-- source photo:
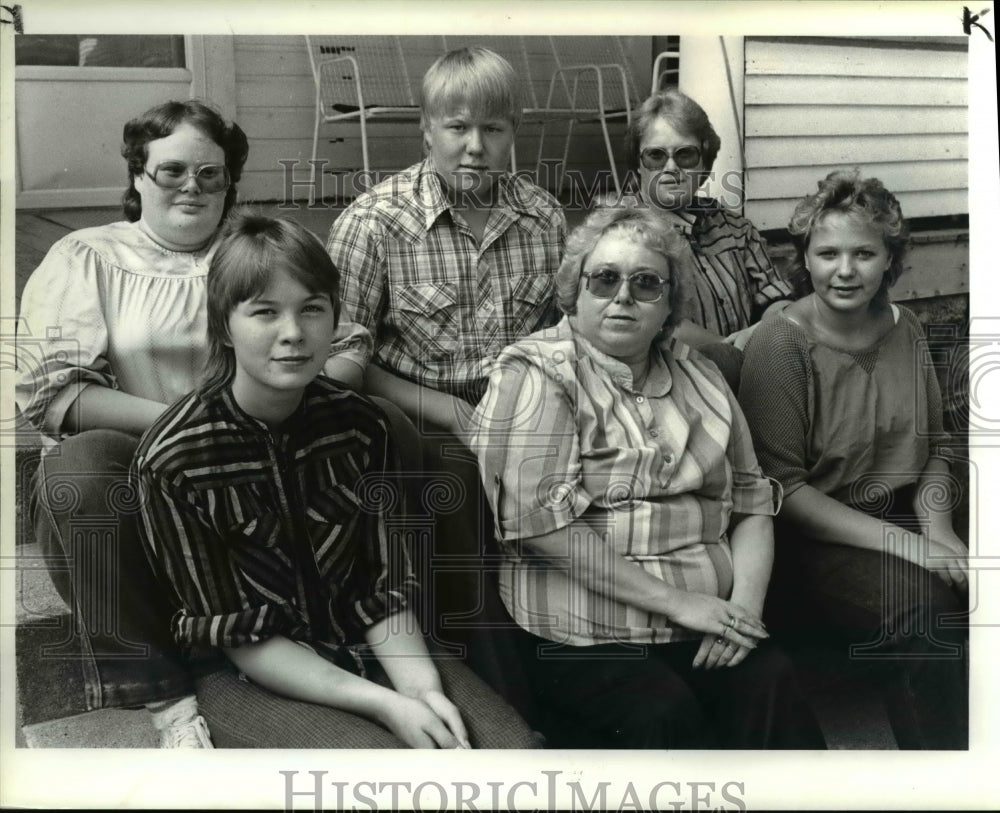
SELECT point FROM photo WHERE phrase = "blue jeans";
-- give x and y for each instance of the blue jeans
(85, 517)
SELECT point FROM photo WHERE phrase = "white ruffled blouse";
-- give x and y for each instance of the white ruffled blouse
(110, 307)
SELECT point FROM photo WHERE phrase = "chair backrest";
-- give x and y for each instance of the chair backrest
(512, 49)
(597, 50)
(386, 74)
(666, 70)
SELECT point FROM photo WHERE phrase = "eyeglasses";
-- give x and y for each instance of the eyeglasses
(643, 286)
(174, 174)
(684, 157)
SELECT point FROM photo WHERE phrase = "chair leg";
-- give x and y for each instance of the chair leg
(565, 159)
(538, 162)
(364, 146)
(611, 154)
(312, 163)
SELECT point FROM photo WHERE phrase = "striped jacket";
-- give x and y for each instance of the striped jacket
(734, 280)
(258, 533)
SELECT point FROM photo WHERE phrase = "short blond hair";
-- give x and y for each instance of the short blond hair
(472, 77)
(642, 225)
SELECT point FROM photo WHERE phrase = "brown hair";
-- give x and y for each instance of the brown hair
(252, 249)
(161, 121)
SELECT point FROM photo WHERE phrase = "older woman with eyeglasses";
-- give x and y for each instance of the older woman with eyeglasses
(672, 145)
(634, 521)
(113, 330)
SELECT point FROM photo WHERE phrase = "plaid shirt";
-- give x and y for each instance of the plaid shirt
(567, 443)
(439, 304)
(734, 280)
(263, 533)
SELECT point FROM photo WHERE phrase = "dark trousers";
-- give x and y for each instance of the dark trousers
(85, 516)
(635, 696)
(891, 619)
(449, 527)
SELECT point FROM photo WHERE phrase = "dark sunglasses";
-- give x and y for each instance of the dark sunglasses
(174, 174)
(643, 286)
(684, 157)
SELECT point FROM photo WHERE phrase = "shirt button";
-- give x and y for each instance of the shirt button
(653, 433)
(640, 399)
(668, 459)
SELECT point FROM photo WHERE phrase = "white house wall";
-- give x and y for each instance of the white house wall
(897, 110)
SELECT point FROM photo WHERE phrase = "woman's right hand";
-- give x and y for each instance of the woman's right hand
(716, 652)
(715, 616)
(416, 724)
(949, 560)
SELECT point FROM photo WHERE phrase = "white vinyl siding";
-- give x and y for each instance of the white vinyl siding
(897, 110)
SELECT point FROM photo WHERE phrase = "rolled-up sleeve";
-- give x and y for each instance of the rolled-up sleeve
(192, 561)
(753, 492)
(62, 336)
(352, 342)
(526, 440)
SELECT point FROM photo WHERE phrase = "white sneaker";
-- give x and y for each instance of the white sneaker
(192, 734)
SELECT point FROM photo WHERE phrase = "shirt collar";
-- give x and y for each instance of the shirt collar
(685, 222)
(430, 193)
(658, 381)
(227, 401)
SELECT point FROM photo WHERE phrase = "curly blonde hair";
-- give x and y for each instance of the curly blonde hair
(639, 223)
(846, 192)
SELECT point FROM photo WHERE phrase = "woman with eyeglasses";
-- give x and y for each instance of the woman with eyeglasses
(634, 520)
(112, 330)
(672, 145)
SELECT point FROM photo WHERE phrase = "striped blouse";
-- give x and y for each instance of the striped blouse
(262, 533)
(563, 435)
(734, 279)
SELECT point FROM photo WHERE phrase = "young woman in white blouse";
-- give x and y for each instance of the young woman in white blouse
(113, 330)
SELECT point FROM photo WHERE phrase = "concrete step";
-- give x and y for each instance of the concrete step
(51, 711)
(50, 700)
(107, 728)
